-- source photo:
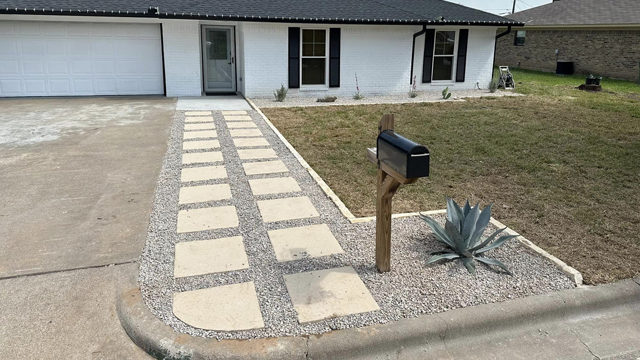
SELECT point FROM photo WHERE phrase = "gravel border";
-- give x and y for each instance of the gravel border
(301, 100)
(409, 290)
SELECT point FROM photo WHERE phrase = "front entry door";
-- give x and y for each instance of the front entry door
(218, 52)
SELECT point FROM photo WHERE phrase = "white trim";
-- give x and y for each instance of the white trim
(316, 87)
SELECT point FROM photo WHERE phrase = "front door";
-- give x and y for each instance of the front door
(218, 52)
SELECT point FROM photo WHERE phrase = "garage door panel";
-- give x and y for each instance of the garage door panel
(56, 58)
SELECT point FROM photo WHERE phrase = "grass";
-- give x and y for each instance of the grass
(561, 165)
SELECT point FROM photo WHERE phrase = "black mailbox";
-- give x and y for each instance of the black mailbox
(409, 159)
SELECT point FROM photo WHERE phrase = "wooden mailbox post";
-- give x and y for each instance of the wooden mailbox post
(388, 182)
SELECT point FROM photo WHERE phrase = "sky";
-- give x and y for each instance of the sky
(500, 7)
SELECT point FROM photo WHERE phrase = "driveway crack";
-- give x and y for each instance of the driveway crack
(596, 357)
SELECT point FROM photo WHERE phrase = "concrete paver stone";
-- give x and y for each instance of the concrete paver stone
(277, 185)
(198, 119)
(250, 142)
(242, 125)
(209, 256)
(202, 157)
(201, 134)
(264, 167)
(199, 126)
(204, 193)
(226, 308)
(201, 145)
(323, 294)
(209, 218)
(245, 132)
(252, 154)
(202, 173)
(287, 209)
(237, 118)
(234, 112)
(302, 242)
(197, 113)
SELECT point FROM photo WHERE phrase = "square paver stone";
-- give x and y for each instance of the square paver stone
(237, 118)
(202, 157)
(264, 167)
(210, 218)
(196, 126)
(202, 134)
(277, 185)
(234, 112)
(323, 294)
(250, 142)
(245, 132)
(198, 119)
(202, 173)
(287, 209)
(200, 144)
(197, 113)
(251, 154)
(209, 256)
(204, 193)
(225, 308)
(303, 242)
(242, 125)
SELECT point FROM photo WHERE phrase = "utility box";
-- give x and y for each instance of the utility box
(407, 158)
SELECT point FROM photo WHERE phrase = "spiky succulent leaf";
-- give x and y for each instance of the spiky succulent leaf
(495, 262)
(441, 234)
(487, 240)
(454, 213)
(469, 225)
(468, 263)
(446, 256)
(481, 225)
(466, 209)
(454, 235)
(496, 243)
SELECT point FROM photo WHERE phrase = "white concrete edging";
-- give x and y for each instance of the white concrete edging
(572, 273)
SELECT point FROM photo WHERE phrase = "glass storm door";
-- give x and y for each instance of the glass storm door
(218, 54)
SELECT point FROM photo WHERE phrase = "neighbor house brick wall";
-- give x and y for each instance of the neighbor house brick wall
(380, 55)
(183, 70)
(612, 53)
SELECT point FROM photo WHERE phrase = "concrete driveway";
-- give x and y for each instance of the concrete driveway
(77, 181)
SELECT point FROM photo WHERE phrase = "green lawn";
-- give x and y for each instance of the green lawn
(561, 165)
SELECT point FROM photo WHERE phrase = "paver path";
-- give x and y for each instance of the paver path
(315, 295)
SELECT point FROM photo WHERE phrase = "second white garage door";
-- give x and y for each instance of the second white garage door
(66, 58)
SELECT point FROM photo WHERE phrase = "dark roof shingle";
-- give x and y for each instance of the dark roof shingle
(582, 12)
(324, 11)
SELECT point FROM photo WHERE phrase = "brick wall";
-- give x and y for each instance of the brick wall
(182, 67)
(612, 53)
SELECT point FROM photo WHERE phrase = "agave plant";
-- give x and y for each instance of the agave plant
(462, 234)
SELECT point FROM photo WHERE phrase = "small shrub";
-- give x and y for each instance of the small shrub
(412, 92)
(446, 94)
(280, 94)
(357, 95)
(493, 86)
(462, 234)
(327, 99)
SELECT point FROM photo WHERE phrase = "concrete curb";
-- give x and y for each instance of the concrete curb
(376, 341)
(572, 273)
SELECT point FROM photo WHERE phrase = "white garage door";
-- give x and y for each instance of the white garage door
(66, 58)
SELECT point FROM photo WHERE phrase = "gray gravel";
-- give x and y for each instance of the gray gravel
(423, 96)
(412, 288)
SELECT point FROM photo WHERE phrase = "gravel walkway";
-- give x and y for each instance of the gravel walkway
(424, 96)
(410, 289)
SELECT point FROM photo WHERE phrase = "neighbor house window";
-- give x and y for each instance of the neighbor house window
(443, 55)
(520, 36)
(314, 57)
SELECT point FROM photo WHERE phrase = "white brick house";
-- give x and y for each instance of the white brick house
(99, 49)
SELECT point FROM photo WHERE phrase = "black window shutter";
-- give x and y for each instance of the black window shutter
(461, 65)
(294, 57)
(429, 42)
(334, 57)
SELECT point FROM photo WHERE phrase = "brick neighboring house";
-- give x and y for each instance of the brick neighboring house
(600, 36)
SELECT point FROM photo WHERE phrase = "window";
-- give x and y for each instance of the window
(520, 36)
(443, 56)
(314, 57)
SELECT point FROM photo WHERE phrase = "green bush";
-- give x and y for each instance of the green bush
(280, 94)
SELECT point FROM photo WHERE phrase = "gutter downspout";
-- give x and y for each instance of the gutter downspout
(413, 50)
(495, 47)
